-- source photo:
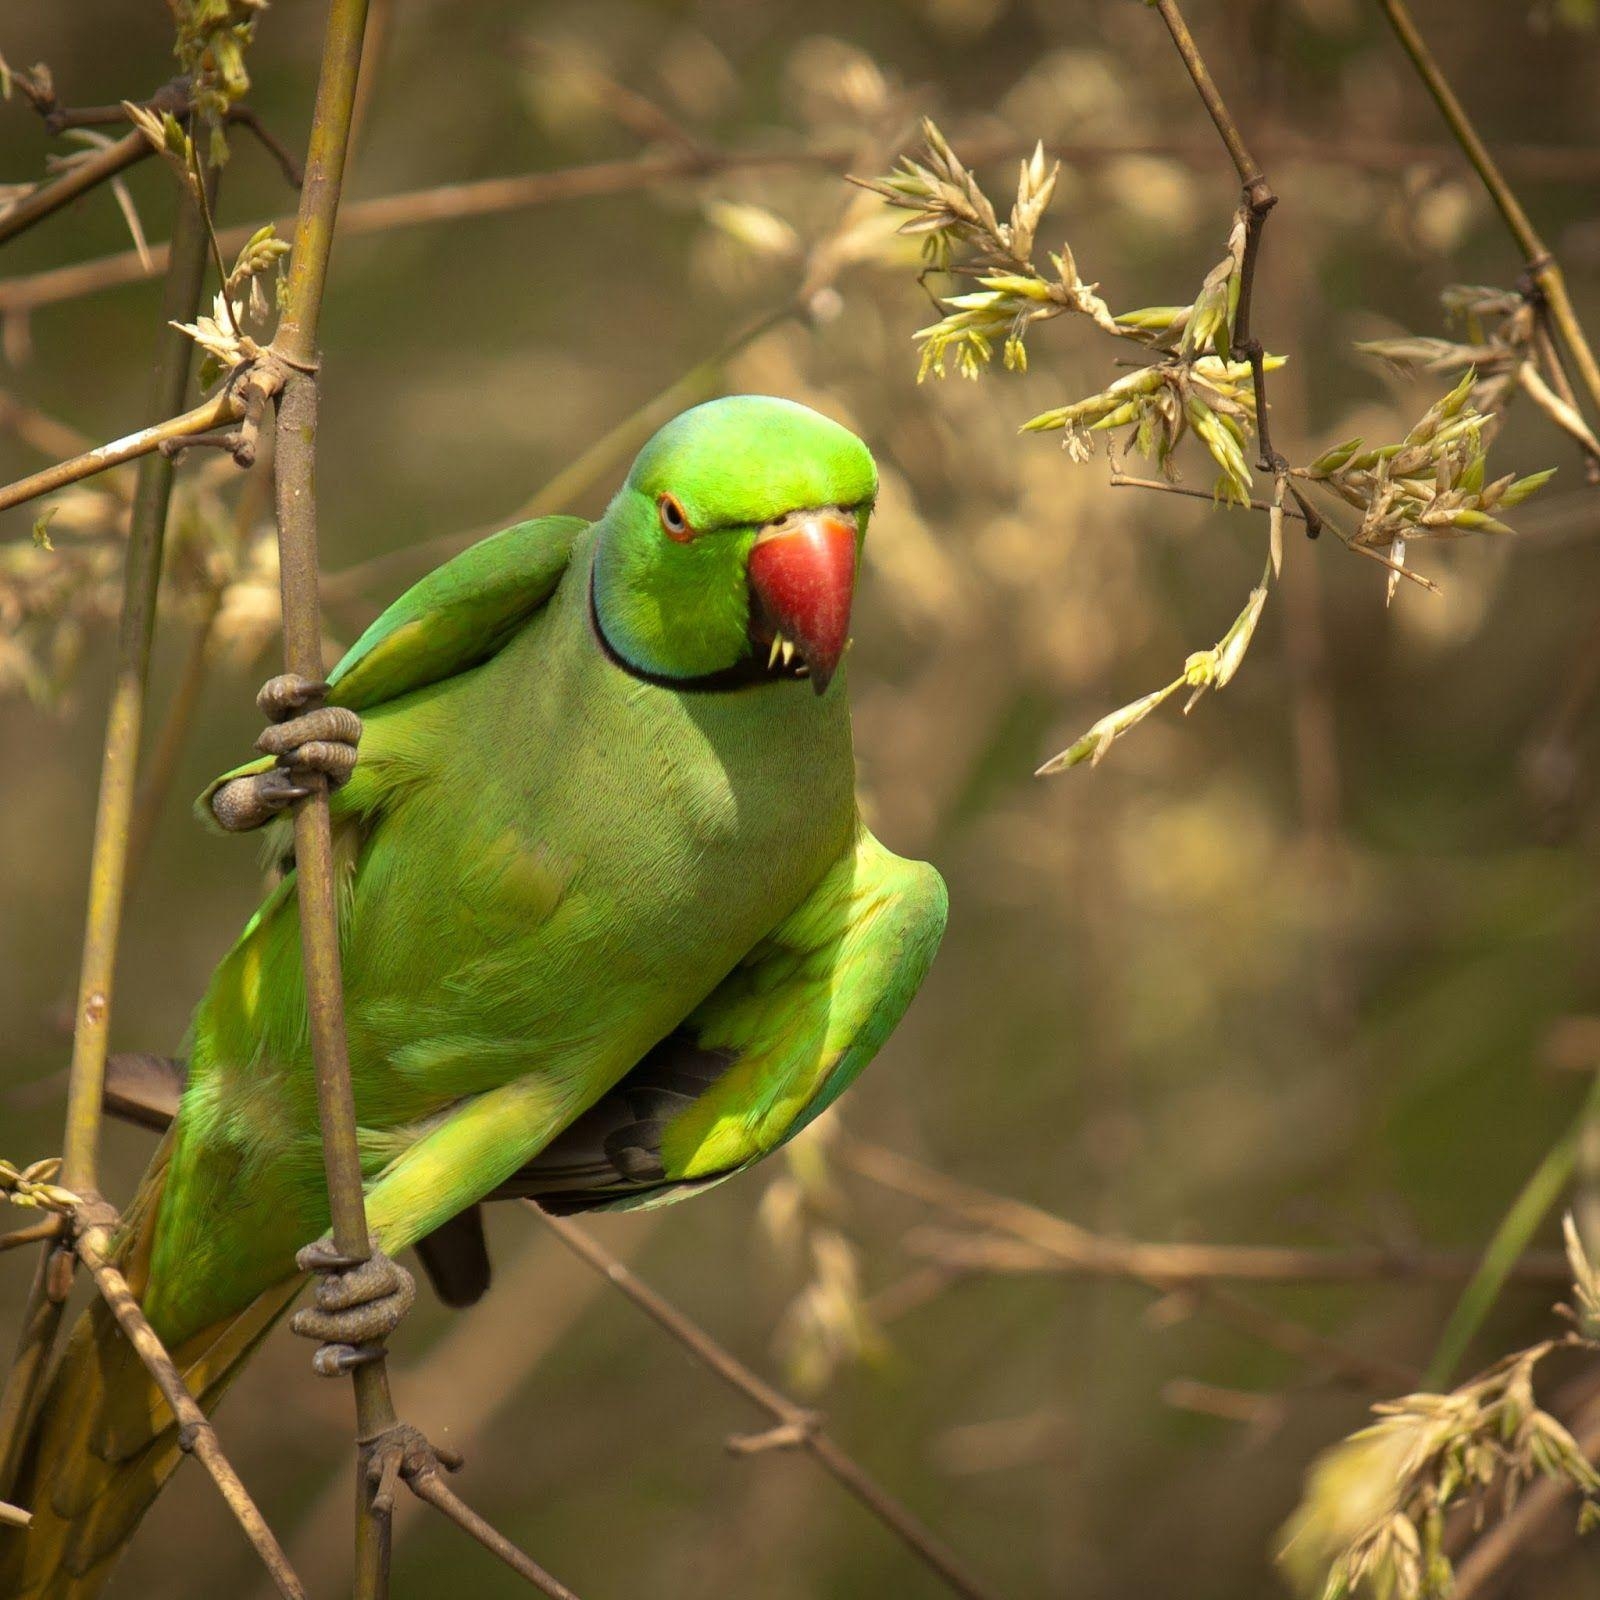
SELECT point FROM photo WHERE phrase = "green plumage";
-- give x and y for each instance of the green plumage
(549, 864)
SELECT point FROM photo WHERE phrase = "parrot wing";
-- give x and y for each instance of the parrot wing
(772, 1046)
(455, 618)
(768, 1050)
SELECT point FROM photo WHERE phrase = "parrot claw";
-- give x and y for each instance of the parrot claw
(247, 803)
(320, 740)
(336, 1360)
(282, 697)
(358, 1305)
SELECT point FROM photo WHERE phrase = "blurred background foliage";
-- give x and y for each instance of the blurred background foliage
(1317, 964)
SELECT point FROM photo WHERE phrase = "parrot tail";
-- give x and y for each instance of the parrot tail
(104, 1440)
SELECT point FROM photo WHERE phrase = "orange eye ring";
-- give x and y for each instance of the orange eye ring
(674, 519)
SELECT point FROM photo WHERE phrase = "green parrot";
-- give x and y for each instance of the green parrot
(613, 929)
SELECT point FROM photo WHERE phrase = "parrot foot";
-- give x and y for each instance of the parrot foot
(320, 740)
(358, 1305)
(402, 1452)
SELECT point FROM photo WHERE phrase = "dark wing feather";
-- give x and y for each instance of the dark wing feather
(614, 1148)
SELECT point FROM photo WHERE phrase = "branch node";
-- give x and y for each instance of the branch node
(1259, 196)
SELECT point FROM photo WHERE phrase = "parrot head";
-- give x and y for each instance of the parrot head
(735, 542)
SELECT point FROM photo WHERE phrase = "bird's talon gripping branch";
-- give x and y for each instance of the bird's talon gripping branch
(320, 740)
(358, 1305)
(287, 695)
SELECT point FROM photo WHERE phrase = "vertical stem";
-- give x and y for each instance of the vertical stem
(165, 753)
(296, 347)
(313, 838)
(125, 718)
(1542, 269)
(1258, 199)
(1243, 162)
(296, 339)
(108, 858)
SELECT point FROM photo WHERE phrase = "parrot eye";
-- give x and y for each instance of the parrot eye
(674, 521)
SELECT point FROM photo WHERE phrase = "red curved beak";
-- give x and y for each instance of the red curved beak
(802, 579)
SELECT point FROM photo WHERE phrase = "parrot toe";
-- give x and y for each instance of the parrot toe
(358, 1305)
(246, 803)
(323, 740)
(288, 693)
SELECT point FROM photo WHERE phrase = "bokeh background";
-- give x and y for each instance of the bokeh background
(1316, 964)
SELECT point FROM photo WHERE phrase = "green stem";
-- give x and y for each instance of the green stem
(1537, 1199)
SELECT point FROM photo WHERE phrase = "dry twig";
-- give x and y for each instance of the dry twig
(794, 1427)
(195, 1433)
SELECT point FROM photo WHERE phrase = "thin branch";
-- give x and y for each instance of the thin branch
(428, 1485)
(1243, 162)
(1053, 1244)
(228, 406)
(1121, 480)
(248, 118)
(1258, 200)
(37, 1233)
(478, 1368)
(50, 436)
(1302, 511)
(195, 1433)
(795, 1426)
(637, 113)
(105, 166)
(1541, 266)
(58, 121)
(78, 179)
(495, 196)
(1555, 371)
